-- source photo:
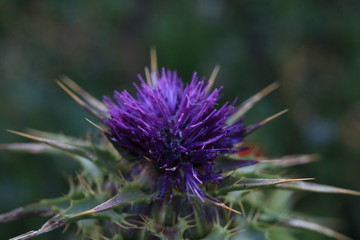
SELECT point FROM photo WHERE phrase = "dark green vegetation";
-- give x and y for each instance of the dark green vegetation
(312, 48)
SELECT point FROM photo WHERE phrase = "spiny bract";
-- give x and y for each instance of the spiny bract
(170, 164)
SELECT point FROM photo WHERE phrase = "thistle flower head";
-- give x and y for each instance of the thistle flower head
(179, 128)
(174, 133)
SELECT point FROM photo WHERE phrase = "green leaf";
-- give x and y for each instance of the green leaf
(89, 168)
(117, 237)
(218, 232)
(174, 232)
(278, 232)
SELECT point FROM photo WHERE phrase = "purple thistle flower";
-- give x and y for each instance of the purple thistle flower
(177, 127)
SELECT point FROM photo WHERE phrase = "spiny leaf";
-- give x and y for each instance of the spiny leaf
(88, 207)
(289, 161)
(286, 161)
(35, 148)
(128, 194)
(177, 231)
(103, 153)
(82, 155)
(218, 232)
(52, 224)
(113, 216)
(115, 237)
(89, 168)
(59, 137)
(27, 211)
(28, 147)
(314, 187)
(56, 144)
(43, 208)
(279, 232)
(250, 183)
(198, 212)
(84, 204)
(166, 232)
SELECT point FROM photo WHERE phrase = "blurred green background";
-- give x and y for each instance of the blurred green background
(311, 47)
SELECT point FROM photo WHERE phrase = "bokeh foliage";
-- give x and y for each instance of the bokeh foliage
(311, 47)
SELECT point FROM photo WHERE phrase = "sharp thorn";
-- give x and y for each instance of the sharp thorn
(212, 78)
(250, 102)
(153, 60)
(70, 93)
(274, 116)
(227, 208)
(147, 76)
(23, 135)
(76, 88)
(95, 125)
(255, 126)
